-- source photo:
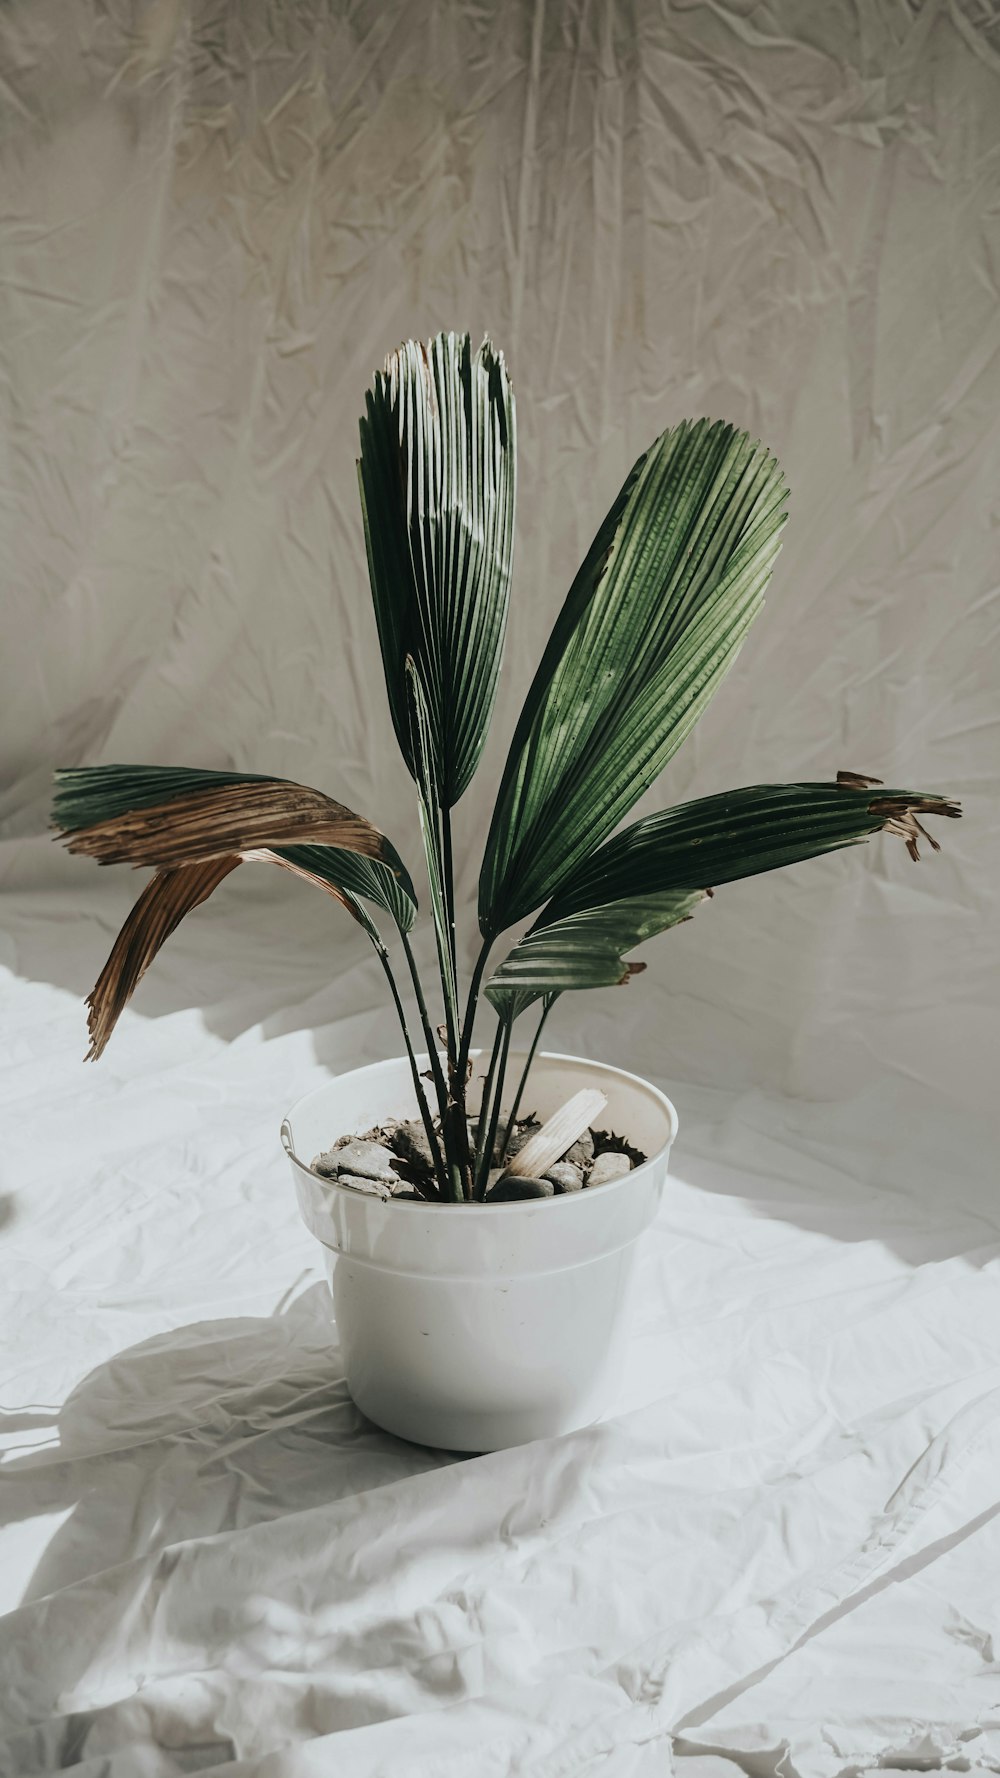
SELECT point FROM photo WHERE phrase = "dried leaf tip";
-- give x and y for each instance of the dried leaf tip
(161, 907)
(897, 810)
(857, 780)
(898, 815)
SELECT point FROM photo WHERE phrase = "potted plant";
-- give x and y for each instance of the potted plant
(483, 1218)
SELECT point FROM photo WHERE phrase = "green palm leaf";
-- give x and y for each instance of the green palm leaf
(652, 622)
(437, 477)
(653, 874)
(389, 888)
(741, 833)
(585, 950)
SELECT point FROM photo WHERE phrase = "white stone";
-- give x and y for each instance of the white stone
(368, 1159)
(609, 1166)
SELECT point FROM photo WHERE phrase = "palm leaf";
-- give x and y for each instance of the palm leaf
(161, 907)
(164, 815)
(653, 874)
(437, 478)
(741, 833)
(352, 874)
(585, 950)
(173, 892)
(652, 623)
(195, 827)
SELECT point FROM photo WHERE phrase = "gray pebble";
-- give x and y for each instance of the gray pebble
(510, 1190)
(518, 1138)
(411, 1144)
(609, 1166)
(565, 1177)
(378, 1187)
(582, 1151)
(367, 1159)
(473, 1132)
(327, 1163)
(501, 1126)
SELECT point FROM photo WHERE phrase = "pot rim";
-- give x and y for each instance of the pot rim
(520, 1205)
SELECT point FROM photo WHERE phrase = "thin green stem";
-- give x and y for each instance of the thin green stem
(448, 873)
(456, 1129)
(430, 1036)
(439, 860)
(432, 834)
(487, 1091)
(425, 1110)
(547, 1006)
(451, 1173)
(454, 1133)
(472, 1006)
(483, 1172)
(469, 1163)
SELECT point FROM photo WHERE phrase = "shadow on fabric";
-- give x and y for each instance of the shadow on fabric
(212, 1427)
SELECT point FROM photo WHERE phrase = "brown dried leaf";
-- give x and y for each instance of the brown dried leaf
(899, 812)
(899, 816)
(161, 907)
(158, 912)
(224, 819)
(857, 780)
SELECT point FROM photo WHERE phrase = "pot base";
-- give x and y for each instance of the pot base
(555, 1340)
(453, 1432)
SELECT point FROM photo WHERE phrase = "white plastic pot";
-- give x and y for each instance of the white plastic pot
(475, 1326)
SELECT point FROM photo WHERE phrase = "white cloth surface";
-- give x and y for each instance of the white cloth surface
(780, 1553)
(781, 1548)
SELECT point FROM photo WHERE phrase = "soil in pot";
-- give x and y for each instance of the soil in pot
(394, 1160)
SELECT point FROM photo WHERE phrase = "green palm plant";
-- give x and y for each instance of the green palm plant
(651, 625)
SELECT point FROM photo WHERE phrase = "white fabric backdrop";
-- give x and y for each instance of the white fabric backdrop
(216, 220)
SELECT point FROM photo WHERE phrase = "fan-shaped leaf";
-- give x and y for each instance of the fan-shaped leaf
(161, 907)
(173, 892)
(195, 827)
(740, 833)
(652, 622)
(389, 887)
(585, 950)
(165, 815)
(437, 476)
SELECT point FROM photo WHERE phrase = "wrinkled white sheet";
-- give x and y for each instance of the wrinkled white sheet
(781, 1549)
(782, 1546)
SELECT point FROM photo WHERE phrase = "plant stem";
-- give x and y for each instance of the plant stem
(487, 1090)
(425, 1110)
(483, 1171)
(460, 1078)
(430, 1036)
(547, 1006)
(432, 832)
(450, 1174)
(472, 1006)
(448, 872)
(456, 1129)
